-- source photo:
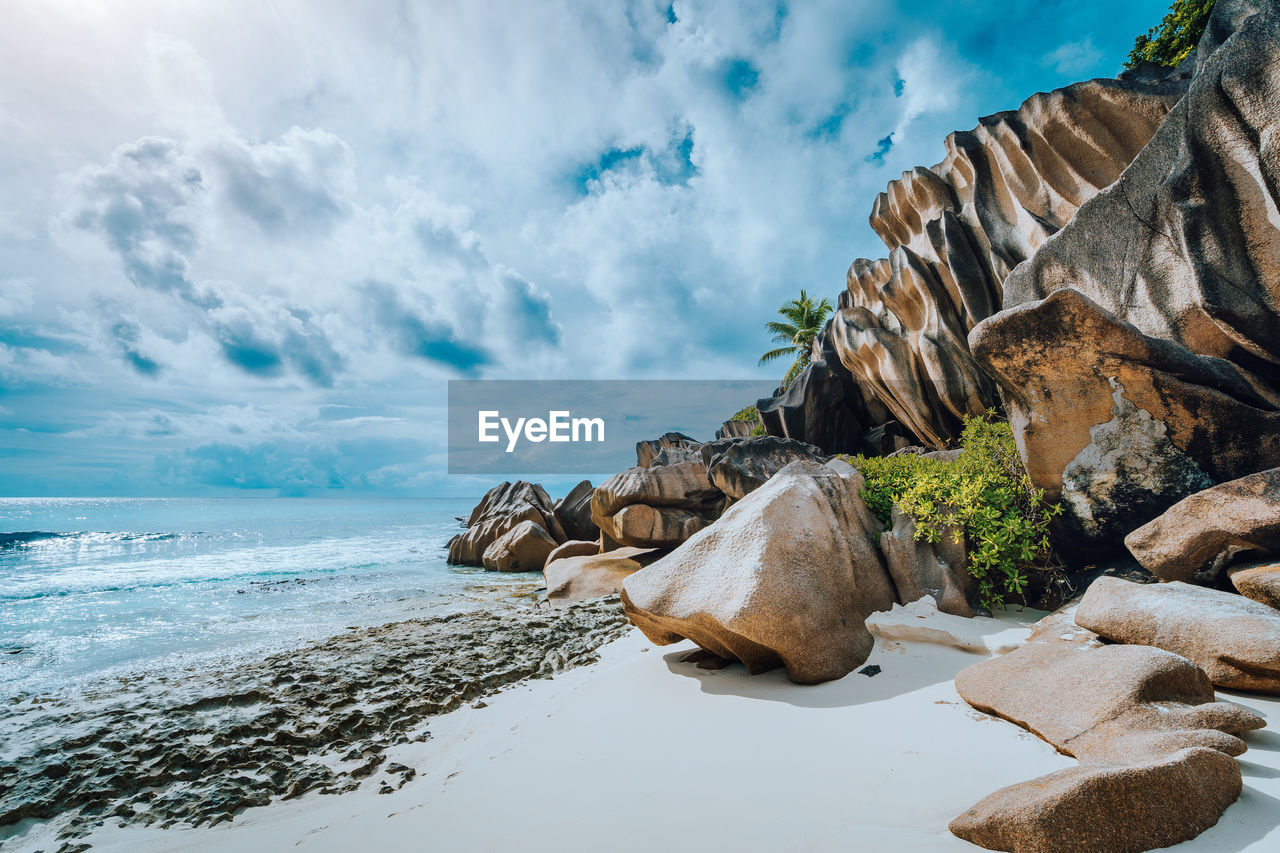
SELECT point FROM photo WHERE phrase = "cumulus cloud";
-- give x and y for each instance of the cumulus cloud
(303, 181)
(414, 333)
(159, 203)
(140, 203)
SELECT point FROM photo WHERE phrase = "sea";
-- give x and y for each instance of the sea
(101, 588)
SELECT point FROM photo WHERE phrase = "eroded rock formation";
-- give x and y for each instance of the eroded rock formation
(955, 231)
(681, 486)
(738, 467)
(573, 511)
(1116, 424)
(502, 508)
(656, 507)
(523, 548)
(574, 548)
(825, 405)
(939, 570)
(1259, 581)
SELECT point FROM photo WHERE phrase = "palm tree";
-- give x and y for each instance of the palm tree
(804, 320)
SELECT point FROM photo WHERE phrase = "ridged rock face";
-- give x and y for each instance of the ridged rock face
(955, 231)
(1177, 267)
(1186, 245)
(825, 406)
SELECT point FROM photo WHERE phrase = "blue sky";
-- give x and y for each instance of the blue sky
(244, 244)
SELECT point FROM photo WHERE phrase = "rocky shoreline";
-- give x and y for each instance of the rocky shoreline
(196, 747)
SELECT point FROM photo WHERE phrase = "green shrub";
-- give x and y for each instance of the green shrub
(1177, 35)
(748, 414)
(985, 495)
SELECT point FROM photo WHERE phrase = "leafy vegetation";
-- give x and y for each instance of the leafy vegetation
(984, 496)
(803, 319)
(1177, 35)
(750, 415)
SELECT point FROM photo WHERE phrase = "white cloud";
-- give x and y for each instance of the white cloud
(1074, 57)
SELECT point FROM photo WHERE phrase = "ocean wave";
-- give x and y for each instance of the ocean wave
(26, 538)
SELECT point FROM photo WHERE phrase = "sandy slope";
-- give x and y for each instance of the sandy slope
(641, 751)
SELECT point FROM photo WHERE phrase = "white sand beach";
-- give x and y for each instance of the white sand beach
(641, 751)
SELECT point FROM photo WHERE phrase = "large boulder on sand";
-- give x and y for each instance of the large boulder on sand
(784, 578)
(523, 548)
(1235, 640)
(594, 575)
(1155, 749)
(502, 508)
(656, 507)
(573, 512)
(739, 466)
(936, 569)
(1198, 531)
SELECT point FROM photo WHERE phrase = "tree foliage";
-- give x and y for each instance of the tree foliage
(1175, 37)
(985, 496)
(802, 320)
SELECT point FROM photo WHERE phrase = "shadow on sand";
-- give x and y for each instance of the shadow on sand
(900, 673)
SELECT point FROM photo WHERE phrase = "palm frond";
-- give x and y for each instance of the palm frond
(775, 354)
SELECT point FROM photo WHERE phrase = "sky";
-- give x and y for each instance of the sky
(244, 245)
